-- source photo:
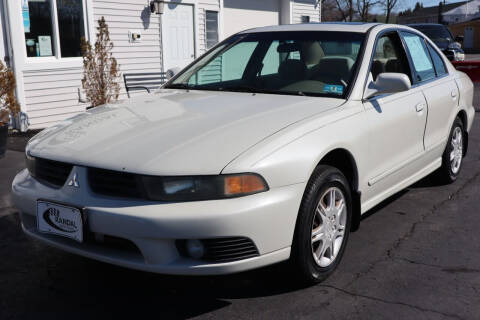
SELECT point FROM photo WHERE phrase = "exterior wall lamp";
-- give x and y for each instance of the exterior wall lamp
(156, 6)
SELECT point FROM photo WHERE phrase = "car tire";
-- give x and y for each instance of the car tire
(313, 246)
(453, 154)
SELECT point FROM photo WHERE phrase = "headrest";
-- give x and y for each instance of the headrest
(377, 68)
(312, 52)
(338, 66)
(292, 69)
(393, 65)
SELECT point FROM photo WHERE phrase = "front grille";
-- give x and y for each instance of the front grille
(52, 172)
(229, 249)
(114, 183)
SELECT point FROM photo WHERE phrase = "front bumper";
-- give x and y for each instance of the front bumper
(268, 219)
(454, 55)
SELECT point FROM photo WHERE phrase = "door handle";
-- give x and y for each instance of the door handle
(419, 107)
(454, 94)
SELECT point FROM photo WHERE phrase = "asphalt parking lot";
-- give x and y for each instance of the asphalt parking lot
(416, 256)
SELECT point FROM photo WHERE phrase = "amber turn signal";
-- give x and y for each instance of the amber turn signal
(244, 184)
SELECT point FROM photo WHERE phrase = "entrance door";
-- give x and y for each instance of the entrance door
(177, 36)
(468, 40)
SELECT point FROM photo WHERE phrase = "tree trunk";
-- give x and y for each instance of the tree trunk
(350, 10)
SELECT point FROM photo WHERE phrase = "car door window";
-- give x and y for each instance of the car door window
(437, 61)
(389, 56)
(422, 63)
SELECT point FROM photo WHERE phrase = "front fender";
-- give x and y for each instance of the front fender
(290, 156)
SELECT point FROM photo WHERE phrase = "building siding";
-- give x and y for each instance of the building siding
(204, 5)
(51, 95)
(305, 8)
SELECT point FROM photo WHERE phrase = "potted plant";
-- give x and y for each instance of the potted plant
(9, 106)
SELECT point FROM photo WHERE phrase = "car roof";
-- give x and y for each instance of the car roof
(322, 26)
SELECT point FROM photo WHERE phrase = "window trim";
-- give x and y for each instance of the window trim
(372, 56)
(56, 38)
(442, 56)
(218, 29)
(416, 81)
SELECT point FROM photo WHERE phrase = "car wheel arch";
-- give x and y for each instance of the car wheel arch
(343, 160)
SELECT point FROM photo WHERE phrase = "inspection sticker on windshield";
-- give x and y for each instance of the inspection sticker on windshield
(331, 88)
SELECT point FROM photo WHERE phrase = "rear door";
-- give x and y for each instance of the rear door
(439, 88)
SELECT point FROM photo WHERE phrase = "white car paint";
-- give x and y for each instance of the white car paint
(282, 138)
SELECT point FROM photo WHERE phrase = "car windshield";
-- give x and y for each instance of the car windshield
(295, 63)
(435, 33)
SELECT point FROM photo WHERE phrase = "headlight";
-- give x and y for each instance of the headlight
(203, 187)
(30, 162)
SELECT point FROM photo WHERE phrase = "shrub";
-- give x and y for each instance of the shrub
(8, 103)
(100, 68)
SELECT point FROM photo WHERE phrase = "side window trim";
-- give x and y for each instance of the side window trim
(429, 45)
(413, 72)
(417, 82)
(374, 49)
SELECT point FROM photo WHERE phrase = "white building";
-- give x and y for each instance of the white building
(40, 40)
(465, 12)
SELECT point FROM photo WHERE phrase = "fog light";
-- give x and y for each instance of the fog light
(195, 249)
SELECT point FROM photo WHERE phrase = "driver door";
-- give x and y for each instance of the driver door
(397, 122)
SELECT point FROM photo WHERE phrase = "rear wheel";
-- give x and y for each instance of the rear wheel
(323, 225)
(453, 155)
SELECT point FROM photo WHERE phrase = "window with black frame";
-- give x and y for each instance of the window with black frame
(70, 26)
(38, 27)
(40, 34)
(211, 25)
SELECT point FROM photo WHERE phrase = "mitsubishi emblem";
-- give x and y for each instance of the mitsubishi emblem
(74, 181)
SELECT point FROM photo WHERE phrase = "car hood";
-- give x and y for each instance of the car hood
(174, 132)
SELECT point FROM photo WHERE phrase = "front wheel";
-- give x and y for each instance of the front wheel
(323, 225)
(453, 155)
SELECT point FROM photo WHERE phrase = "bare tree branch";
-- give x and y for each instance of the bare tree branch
(389, 5)
(364, 7)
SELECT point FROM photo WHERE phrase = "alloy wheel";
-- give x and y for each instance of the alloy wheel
(457, 150)
(328, 226)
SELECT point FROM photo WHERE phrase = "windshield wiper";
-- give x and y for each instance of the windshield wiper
(178, 86)
(241, 88)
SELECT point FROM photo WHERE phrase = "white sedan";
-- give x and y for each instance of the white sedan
(269, 147)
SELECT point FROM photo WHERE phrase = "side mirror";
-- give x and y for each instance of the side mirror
(459, 38)
(172, 72)
(387, 82)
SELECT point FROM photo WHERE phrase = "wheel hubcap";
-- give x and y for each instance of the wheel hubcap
(328, 227)
(457, 150)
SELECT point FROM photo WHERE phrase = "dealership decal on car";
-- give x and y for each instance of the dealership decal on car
(52, 217)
